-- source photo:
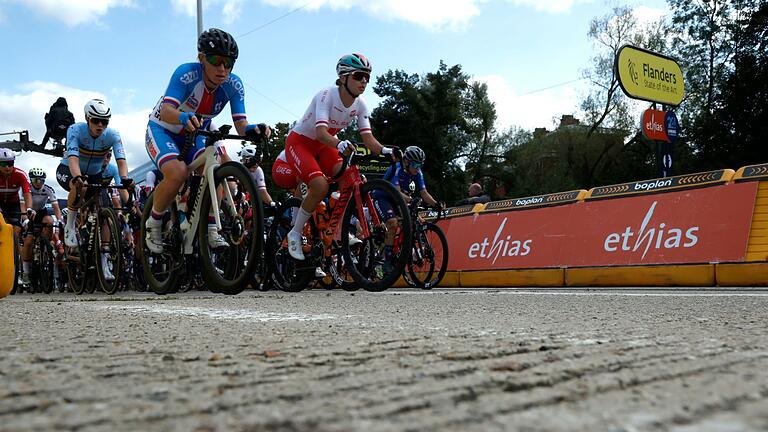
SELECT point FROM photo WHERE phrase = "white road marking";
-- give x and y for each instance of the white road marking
(511, 291)
(222, 314)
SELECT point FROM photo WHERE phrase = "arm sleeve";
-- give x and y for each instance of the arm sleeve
(363, 118)
(258, 177)
(177, 88)
(51, 195)
(420, 186)
(117, 146)
(237, 100)
(73, 143)
(322, 101)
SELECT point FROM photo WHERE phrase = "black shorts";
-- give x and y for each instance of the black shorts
(11, 213)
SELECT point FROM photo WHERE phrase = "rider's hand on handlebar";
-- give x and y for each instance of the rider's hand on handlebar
(189, 121)
(394, 152)
(260, 131)
(439, 206)
(345, 145)
(127, 182)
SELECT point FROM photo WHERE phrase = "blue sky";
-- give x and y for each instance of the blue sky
(126, 50)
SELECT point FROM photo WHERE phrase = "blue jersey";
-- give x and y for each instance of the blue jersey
(407, 182)
(110, 172)
(90, 150)
(187, 92)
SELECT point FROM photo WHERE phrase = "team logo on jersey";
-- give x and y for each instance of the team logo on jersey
(192, 102)
(217, 107)
(353, 113)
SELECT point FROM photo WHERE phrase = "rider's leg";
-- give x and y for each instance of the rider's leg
(26, 256)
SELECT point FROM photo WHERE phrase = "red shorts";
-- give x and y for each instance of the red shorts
(284, 175)
(310, 158)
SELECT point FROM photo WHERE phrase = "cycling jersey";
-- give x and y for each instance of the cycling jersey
(10, 185)
(91, 150)
(403, 179)
(258, 177)
(327, 109)
(188, 93)
(41, 197)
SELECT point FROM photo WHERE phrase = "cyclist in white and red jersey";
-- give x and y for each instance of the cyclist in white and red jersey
(312, 149)
(250, 156)
(12, 180)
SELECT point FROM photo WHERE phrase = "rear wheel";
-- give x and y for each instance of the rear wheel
(162, 271)
(286, 273)
(374, 266)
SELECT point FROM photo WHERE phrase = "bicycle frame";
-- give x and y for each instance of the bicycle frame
(353, 181)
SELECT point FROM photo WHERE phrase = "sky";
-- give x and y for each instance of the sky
(531, 53)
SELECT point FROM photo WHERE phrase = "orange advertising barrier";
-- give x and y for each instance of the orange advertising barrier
(704, 225)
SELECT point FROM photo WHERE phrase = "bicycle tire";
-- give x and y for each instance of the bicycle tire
(153, 265)
(46, 265)
(431, 252)
(16, 265)
(107, 219)
(369, 275)
(281, 267)
(237, 272)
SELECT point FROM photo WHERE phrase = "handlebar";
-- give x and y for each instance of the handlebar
(218, 135)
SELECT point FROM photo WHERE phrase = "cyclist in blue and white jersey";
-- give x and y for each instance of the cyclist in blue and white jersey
(203, 88)
(408, 179)
(87, 143)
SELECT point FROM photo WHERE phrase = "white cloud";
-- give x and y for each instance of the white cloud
(646, 15)
(25, 110)
(551, 6)
(230, 9)
(74, 12)
(540, 109)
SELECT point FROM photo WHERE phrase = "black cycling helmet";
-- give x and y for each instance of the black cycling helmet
(215, 41)
(414, 154)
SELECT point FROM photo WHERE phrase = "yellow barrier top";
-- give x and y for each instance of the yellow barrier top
(666, 184)
(536, 201)
(751, 173)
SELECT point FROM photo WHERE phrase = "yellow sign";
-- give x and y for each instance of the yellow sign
(649, 76)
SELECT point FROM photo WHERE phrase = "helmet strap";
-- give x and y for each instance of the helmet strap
(346, 87)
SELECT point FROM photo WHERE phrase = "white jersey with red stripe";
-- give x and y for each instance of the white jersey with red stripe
(327, 109)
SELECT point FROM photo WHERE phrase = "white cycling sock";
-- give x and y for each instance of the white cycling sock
(25, 266)
(71, 218)
(301, 218)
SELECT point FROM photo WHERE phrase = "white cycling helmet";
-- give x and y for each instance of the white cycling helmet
(37, 173)
(97, 108)
(7, 155)
(248, 151)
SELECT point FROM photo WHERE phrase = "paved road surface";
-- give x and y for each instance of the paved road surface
(458, 360)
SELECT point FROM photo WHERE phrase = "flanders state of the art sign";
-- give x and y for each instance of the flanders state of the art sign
(649, 76)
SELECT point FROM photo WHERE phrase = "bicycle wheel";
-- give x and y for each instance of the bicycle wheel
(371, 267)
(429, 257)
(230, 269)
(108, 251)
(284, 271)
(16, 265)
(46, 265)
(162, 271)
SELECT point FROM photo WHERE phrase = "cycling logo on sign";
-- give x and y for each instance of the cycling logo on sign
(671, 126)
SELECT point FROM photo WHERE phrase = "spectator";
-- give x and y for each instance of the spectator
(476, 196)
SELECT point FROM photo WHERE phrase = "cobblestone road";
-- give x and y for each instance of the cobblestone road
(458, 360)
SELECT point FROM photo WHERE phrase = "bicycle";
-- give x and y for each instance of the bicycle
(428, 260)
(185, 242)
(41, 272)
(331, 230)
(99, 232)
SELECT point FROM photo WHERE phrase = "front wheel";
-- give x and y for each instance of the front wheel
(429, 257)
(231, 268)
(46, 265)
(109, 263)
(285, 272)
(379, 260)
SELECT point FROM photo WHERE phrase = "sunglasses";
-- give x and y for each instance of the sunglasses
(416, 165)
(358, 76)
(103, 122)
(218, 60)
(37, 179)
(6, 164)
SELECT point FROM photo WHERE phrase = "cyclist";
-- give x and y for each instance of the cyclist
(250, 156)
(12, 180)
(312, 149)
(202, 88)
(87, 143)
(408, 179)
(42, 194)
